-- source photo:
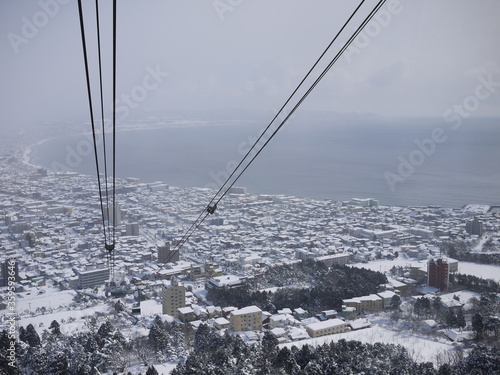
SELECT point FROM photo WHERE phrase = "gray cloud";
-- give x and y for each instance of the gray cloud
(251, 59)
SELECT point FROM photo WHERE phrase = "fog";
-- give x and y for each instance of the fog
(418, 58)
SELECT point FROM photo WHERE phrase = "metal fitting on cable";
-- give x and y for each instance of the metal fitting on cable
(211, 209)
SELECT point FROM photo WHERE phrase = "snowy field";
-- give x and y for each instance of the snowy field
(151, 307)
(484, 271)
(42, 322)
(464, 296)
(163, 369)
(421, 349)
(54, 300)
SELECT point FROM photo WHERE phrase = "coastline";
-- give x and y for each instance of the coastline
(26, 158)
(324, 191)
(28, 150)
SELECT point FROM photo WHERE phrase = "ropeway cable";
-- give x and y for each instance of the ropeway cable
(109, 238)
(212, 207)
(325, 71)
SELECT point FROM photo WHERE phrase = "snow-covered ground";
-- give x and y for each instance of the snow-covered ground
(385, 265)
(484, 271)
(163, 368)
(464, 296)
(65, 319)
(420, 348)
(54, 300)
(151, 307)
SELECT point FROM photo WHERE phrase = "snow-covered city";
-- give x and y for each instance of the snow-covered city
(233, 187)
(51, 230)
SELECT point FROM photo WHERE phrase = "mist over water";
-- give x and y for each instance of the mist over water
(321, 159)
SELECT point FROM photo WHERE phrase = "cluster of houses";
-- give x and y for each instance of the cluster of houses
(286, 324)
(50, 223)
(249, 322)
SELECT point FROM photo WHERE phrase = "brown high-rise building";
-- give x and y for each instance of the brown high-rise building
(438, 273)
(166, 255)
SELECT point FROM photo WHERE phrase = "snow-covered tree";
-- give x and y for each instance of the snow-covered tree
(57, 363)
(34, 361)
(157, 337)
(119, 307)
(478, 325)
(29, 336)
(55, 328)
(395, 302)
(285, 360)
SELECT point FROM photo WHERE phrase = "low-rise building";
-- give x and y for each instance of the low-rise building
(372, 303)
(186, 314)
(92, 276)
(220, 282)
(328, 327)
(222, 323)
(332, 259)
(387, 298)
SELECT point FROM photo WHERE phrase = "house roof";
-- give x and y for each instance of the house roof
(185, 310)
(246, 310)
(326, 324)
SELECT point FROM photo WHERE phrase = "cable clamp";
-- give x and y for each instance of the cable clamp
(211, 209)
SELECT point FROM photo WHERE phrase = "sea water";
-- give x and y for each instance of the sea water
(398, 162)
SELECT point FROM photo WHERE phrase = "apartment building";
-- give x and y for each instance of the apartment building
(173, 297)
(246, 319)
(438, 274)
(372, 303)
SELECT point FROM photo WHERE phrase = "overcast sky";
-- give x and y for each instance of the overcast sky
(417, 58)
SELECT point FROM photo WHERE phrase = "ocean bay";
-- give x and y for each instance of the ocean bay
(393, 161)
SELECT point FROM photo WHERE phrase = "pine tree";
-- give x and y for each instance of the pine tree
(269, 346)
(151, 371)
(91, 345)
(461, 323)
(176, 344)
(119, 307)
(34, 361)
(286, 361)
(314, 368)
(426, 305)
(451, 319)
(57, 364)
(201, 338)
(477, 325)
(437, 306)
(105, 330)
(395, 302)
(157, 337)
(30, 336)
(481, 360)
(159, 322)
(55, 328)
